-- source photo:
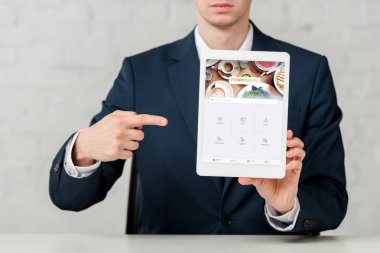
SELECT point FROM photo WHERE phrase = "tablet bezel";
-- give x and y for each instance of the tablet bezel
(238, 169)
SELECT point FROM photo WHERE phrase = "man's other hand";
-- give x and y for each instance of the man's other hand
(281, 193)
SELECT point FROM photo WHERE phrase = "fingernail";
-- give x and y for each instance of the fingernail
(164, 122)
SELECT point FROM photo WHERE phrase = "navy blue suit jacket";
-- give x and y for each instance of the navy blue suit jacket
(174, 199)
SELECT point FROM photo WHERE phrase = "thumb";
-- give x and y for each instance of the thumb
(257, 182)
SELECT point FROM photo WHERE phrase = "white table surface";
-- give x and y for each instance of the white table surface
(181, 243)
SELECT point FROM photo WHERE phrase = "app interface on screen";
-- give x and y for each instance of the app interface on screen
(243, 112)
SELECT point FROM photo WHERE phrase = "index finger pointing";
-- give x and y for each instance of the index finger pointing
(146, 119)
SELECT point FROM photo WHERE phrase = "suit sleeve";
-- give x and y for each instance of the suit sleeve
(76, 194)
(322, 191)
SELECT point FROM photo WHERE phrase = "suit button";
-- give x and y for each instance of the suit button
(56, 168)
(226, 221)
(308, 223)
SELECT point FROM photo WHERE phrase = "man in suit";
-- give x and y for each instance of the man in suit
(151, 112)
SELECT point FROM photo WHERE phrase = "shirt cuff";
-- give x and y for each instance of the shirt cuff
(284, 222)
(70, 168)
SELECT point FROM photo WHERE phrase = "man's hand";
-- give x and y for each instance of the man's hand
(281, 193)
(114, 137)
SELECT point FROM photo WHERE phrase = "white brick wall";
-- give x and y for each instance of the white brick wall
(58, 59)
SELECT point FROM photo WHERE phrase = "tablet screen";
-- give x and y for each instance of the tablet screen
(243, 112)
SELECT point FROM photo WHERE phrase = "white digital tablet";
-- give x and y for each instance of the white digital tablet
(243, 111)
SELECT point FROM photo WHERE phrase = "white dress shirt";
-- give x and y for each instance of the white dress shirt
(285, 222)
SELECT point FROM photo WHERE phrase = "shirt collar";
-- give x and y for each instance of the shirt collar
(201, 45)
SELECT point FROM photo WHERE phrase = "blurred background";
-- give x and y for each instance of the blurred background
(59, 58)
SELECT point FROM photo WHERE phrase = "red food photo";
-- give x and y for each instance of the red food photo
(266, 65)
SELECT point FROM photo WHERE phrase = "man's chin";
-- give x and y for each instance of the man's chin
(222, 22)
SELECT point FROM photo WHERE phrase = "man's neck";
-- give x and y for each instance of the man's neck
(230, 38)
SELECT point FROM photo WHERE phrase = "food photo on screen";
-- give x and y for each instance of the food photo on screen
(244, 79)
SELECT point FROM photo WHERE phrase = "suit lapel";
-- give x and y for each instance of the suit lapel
(260, 43)
(184, 81)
